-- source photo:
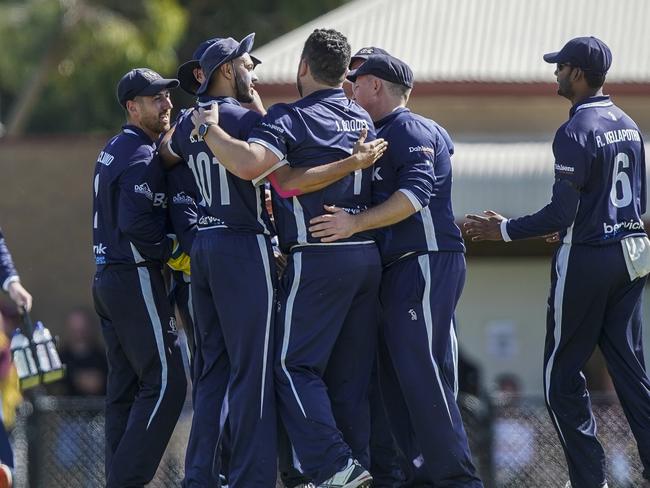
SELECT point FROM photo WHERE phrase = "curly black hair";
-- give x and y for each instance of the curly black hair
(327, 53)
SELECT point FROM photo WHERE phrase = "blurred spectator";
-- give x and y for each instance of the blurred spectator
(83, 355)
(469, 375)
(514, 438)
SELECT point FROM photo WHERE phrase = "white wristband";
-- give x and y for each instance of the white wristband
(504, 230)
(8, 281)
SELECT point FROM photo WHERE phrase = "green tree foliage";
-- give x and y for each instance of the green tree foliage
(62, 58)
(83, 47)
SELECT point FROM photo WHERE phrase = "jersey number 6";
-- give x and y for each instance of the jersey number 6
(621, 162)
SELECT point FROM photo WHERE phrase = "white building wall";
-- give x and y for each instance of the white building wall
(501, 318)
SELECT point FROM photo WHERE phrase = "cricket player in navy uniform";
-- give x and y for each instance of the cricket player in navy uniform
(599, 268)
(233, 283)
(10, 282)
(328, 296)
(424, 272)
(384, 456)
(146, 383)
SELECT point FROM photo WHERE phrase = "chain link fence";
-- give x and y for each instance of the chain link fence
(59, 443)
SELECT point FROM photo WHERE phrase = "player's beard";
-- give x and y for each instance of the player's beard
(155, 123)
(564, 88)
(242, 88)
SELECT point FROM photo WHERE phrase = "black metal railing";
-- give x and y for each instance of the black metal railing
(59, 442)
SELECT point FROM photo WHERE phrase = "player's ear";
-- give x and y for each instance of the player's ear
(303, 68)
(226, 70)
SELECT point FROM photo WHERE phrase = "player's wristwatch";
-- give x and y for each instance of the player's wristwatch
(203, 129)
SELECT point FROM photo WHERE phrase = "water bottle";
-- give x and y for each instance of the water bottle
(41, 348)
(22, 356)
(48, 357)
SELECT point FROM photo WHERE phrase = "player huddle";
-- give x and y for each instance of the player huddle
(356, 338)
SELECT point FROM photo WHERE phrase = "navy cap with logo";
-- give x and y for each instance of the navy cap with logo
(586, 53)
(387, 68)
(365, 52)
(186, 70)
(220, 52)
(142, 82)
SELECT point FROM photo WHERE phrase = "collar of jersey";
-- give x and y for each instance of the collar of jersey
(207, 101)
(133, 130)
(599, 101)
(390, 117)
(327, 93)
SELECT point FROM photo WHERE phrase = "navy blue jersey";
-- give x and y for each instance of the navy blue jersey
(599, 193)
(181, 201)
(7, 268)
(226, 201)
(318, 129)
(417, 163)
(130, 203)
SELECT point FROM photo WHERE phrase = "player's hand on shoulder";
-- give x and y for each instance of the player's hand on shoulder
(332, 226)
(486, 227)
(202, 115)
(368, 153)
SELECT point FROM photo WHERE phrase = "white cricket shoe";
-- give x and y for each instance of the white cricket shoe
(352, 476)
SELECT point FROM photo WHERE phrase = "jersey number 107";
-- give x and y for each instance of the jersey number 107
(202, 169)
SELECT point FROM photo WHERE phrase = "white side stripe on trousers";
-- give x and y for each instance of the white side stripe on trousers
(454, 355)
(261, 241)
(428, 321)
(288, 315)
(561, 267)
(147, 294)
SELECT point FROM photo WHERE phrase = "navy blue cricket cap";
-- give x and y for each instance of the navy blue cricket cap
(142, 82)
(365, 52)
(387, 68)
(219, 52)
(586, 53)
(186, 70)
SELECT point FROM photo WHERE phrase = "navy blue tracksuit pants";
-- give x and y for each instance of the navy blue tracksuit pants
(326, 347)
(180, 296)
(146, 383)
(418, 296)
(233, 279)
(593, 303)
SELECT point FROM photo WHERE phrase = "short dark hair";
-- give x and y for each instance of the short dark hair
(594, 80)
(327, 53)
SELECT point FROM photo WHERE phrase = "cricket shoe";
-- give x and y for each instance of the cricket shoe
(6, 479)
(352, 476)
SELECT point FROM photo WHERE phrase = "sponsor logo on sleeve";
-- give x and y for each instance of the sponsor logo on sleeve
(564, 168)
(143, 189)
(105, 158)
(425, 149)
(273, 127)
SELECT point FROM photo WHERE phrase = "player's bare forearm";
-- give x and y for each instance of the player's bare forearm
(289, 182)
(338, 224)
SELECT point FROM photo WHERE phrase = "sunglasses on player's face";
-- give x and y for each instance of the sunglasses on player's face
(561, 66)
